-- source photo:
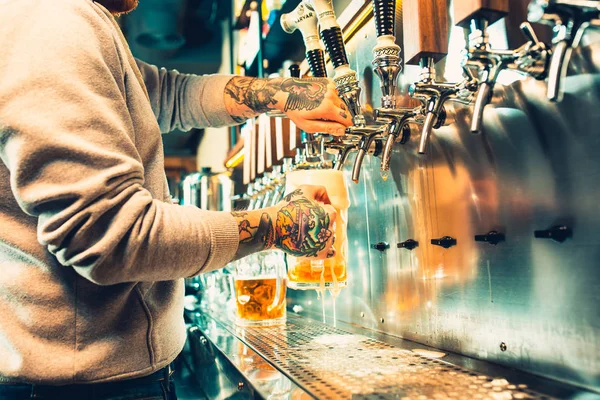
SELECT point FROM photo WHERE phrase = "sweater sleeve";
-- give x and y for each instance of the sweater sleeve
(184, 101)
(66, 137)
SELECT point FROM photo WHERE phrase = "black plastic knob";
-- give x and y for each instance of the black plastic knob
(558, 233)
(445, 242)
(316, 62)
(334, 43)
(408, 244)
(294, 71)
(381, 246)
(385, 16)
(492, 237)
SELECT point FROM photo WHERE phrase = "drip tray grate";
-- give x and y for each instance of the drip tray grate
(331, 363)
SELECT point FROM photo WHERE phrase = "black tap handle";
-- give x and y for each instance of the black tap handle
(445, 242)
(492, 237)
(316, 62)
(334, 43)
(294, 70)
(558, 233)
(408, 244)
(381, 246)
(385, 16)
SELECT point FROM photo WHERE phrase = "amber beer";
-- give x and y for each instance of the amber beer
(257, 300)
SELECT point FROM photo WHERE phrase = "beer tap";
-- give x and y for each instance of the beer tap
(434, 94)
(531, 58)
(569, 18)
(428, 21)
(304, 19)
(342, 146)
(367, 136)
(398, 130)
(386, 53)
(345, 78)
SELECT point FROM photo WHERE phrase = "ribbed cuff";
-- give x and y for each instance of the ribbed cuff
(211, 103)
(224, 239)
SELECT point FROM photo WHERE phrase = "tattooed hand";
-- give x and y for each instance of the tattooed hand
(302, 225)
(312, 103)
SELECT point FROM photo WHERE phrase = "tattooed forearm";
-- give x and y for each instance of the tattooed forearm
(246, 97)
(256, 234)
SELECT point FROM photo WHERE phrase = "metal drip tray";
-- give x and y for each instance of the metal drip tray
(331, 363)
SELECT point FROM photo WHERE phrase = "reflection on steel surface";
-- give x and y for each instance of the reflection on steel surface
(331, 363)
(536, 166)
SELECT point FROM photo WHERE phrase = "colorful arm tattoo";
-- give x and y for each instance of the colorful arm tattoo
(301, 228)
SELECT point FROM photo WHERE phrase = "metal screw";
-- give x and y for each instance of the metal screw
(362, 314)
(382, 320)
(503, 346)
(240, 385)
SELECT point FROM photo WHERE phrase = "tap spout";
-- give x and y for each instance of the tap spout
(569, 19)
(367, 135)
(398, 128)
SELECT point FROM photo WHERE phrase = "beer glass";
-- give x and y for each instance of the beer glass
(260, 290)
(306, 272)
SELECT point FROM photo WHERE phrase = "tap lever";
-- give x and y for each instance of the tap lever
(381, 246)
(386, 53)
(408, 244)
(558, 233)
(529, 33)
(385, 17)
(492, 237)
(446, 242)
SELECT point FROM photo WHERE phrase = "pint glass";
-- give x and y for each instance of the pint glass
(260, 290)
(306, 272)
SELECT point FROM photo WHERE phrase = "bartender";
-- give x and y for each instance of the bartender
(92, 252)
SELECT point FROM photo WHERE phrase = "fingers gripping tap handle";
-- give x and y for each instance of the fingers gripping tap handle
(345, 78)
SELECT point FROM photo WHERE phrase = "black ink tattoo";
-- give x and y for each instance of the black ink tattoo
(256, 94)
(304, 94)
(289, 196)
(255, 238)
(343, 107)
(239, 214)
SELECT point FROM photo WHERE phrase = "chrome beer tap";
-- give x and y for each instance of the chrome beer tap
(342, 146)
(345, 78)
(531, 58)
(434, 94)
(366, 136)
(398, 130)
(569, 19)
(386, 53)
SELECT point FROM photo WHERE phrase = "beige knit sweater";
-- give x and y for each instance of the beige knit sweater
(92, 255)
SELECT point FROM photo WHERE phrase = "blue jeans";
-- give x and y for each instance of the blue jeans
(158, 386)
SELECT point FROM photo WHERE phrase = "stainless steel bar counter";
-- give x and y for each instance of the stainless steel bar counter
(309, 359)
